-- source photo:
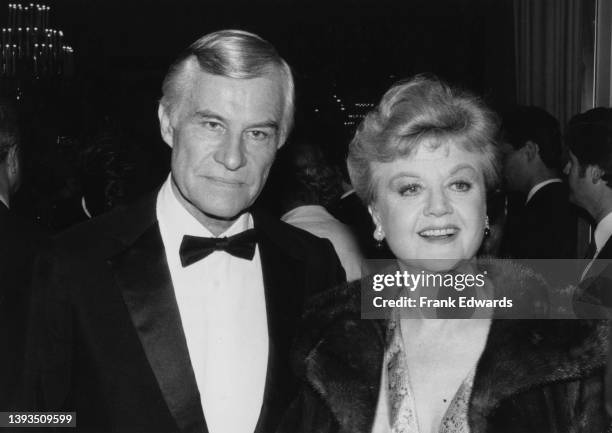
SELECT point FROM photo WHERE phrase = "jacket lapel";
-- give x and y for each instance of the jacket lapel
(284, 282)
(599, 264)
(606, 251)
(142, 273)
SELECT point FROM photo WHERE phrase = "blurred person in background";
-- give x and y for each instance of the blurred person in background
(543, 223)
(309, 184)
(104, 169)
(20, 240)
(589, 171)
(350, 210)
(98, 180)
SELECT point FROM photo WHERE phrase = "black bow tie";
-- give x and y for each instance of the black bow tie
(194, 248)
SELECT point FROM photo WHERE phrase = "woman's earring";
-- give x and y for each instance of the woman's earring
(379, 236)
(487, 229)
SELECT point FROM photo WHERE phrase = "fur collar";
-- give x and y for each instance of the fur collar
(341, 355)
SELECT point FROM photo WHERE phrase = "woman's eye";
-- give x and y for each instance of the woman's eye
(461, 186)
(410, 189)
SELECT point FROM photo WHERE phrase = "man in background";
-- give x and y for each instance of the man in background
(350, 210)
(309, 185)
(541, 222)
(19, 242)
(589, 172)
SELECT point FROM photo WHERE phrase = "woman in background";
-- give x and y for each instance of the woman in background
(423, 162)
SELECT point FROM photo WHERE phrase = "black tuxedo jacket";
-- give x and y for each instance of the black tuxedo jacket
(606, 251)
(595, 289)
(545, 228)
(19, 242)
(594, 299)
(109, 344)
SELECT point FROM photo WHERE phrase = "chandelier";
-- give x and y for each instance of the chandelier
(30, 47)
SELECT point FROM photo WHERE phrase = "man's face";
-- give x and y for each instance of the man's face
(514, 167)
(578, 181)
(224, 135)
(14, 169)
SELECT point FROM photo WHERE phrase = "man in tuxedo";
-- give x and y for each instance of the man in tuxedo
(19, 242)
(177, 314)
(589, 172)
(541, 222)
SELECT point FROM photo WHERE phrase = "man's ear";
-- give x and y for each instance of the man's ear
(283, 136)
(374, 214)
(13, 165)
(594, 173)
(532, 150)
(165, 126)
(12, 161)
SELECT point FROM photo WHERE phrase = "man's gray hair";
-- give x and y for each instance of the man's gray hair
(232, 54)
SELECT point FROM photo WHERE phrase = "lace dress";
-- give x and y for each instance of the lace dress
(396, 411)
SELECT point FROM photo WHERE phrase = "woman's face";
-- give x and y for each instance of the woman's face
(431, 206)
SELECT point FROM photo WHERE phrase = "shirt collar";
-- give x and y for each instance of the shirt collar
(84, 207)
(539, 186)
(347, 193)
(603, 231)
(5, 201)
(178, 221)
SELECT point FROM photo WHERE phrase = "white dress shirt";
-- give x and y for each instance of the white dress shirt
(539, 186)
(222, 305)
(603, 231)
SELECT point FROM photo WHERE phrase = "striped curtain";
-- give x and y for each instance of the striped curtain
(549, 55)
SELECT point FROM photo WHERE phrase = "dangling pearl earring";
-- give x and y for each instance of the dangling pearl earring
(487, 229)
(379, 236)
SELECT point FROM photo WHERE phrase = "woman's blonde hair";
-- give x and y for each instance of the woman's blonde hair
(418, 111)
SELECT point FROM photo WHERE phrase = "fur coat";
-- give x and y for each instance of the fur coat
(534, 376)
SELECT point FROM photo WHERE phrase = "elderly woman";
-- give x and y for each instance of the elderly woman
(423, 162)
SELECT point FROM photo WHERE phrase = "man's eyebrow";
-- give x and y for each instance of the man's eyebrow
(266, 124)
(208, 115)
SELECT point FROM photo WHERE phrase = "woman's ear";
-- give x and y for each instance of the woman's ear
(379, 232)
(374, 214)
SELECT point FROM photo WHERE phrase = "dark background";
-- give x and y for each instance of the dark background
(351, 49)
